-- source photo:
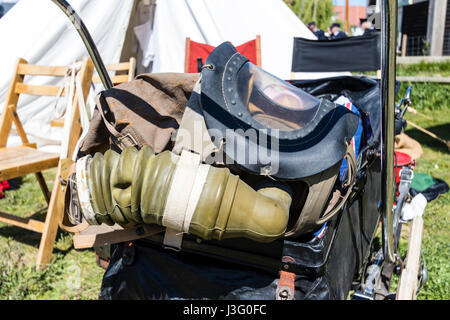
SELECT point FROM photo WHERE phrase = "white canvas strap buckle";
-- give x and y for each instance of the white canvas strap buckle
(182, 199)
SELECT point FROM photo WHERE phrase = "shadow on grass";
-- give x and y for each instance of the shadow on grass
(28, 237)
(442, 131)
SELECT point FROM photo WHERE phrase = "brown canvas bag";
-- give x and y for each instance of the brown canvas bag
(145, 111)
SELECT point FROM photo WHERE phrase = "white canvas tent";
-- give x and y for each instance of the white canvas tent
(214, 22)
(39, 32)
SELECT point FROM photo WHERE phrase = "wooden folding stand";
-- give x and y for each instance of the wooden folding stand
(84, 235)
(21, 160)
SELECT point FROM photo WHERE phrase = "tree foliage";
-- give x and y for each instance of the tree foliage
(320, 11)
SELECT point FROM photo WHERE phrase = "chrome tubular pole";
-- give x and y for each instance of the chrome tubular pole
(388, 65)
(88, 42)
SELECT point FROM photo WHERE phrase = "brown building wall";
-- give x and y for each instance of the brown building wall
(355, 13)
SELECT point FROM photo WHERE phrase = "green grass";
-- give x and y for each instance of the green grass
(72, 274)
(434, 69)
(428, 96)
(425, 96)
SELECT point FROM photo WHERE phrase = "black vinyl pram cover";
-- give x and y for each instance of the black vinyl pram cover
(325, 265)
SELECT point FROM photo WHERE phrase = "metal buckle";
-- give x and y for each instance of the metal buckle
(406, 174)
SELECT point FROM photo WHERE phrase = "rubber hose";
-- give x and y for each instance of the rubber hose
(134, 187)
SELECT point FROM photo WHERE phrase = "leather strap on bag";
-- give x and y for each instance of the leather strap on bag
(349, 183)
(127, 138)
(286, 283)
(320, 187)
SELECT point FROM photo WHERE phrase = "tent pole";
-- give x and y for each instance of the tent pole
(87, 39)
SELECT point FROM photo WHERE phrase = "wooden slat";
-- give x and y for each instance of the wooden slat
(18, 124)
(120, 78)
(404, 43)
(43, 186)
(418, 79)
(187, 52)
(102, 235)
(25, 223)
(68, 227)
(408, 281)
(118, 67)
(123, 66)
(132, 69)
(29, 69)
(115, 79)
(29, 145)
(258, 51)
(57, 123)
(11, 99)
(425, 79)
(52, 220)
(19, 161)
(36, 90)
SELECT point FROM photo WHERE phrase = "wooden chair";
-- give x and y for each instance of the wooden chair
(125, 72)
(195, 51)
(25, 159)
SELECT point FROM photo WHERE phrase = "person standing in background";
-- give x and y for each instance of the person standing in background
(366, 26)
(320, 34)
(336, 33)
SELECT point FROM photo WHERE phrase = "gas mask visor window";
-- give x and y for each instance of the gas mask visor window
(272, 102)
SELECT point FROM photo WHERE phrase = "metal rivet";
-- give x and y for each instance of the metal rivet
(233, 101)
(230, 89)
(239, 113)
(229, 78)
(284, 295)
(230, 69)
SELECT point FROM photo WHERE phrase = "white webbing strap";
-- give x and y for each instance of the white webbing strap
(84, 195)
(69, 84)
(85, 116)
(69, 109)
(179, 197)
(197, 188)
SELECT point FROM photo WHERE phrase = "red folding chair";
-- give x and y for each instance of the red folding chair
(196, 53)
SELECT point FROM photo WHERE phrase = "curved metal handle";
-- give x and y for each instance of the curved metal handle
(88, 42)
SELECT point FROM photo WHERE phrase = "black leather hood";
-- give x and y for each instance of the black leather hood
(300, 153)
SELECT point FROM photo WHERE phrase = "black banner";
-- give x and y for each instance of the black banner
(360, 53)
